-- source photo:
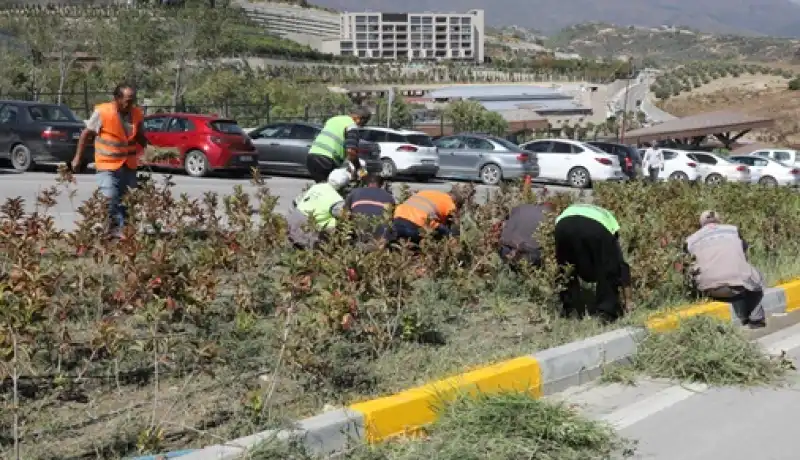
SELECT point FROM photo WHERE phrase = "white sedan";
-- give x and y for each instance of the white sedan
(769, 172)
(678, 166)
(574, 162)
(715, 170)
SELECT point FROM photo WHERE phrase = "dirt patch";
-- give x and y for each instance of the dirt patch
(778, 102)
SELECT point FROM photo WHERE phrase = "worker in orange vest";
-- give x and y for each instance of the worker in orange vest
(118, 134)
(427, 209)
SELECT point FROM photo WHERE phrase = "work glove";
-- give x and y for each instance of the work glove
(357, 171)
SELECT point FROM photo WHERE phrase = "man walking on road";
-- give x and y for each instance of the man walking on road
(654, 162)
(337, 143)
(721, 270)
(118, 134)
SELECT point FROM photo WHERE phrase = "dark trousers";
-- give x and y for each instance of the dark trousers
(516, 257)
(746, 304)
(595, 256)
(405, 230)
(319, 167)
(653, 173)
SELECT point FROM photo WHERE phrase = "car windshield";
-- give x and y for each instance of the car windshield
(421, 140)
(51, 113)
(507, 144)
(226, 127)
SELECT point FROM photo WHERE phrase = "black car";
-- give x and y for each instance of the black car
(283, 147)
(39, 133)
(629, 157)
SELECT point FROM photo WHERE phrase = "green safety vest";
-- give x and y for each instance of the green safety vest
(596, 213)
(329, 142)
(317, 202)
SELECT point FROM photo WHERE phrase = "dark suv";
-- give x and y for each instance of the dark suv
(629, 157)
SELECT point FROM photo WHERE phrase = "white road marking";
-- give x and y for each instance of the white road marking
(640, 410)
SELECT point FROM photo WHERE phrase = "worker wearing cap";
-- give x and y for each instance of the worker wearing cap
(315, 212)
(337, 143)
(587, 238)
(721, 270)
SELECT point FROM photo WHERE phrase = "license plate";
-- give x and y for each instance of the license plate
(76, 136)
(428, 162)
(245, 158)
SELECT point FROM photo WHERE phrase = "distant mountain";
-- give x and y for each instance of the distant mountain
(743, 17)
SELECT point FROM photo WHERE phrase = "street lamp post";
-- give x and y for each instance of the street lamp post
(625, 102)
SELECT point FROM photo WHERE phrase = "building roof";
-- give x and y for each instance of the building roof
(489, 91)
(535, 105)
(699, 125)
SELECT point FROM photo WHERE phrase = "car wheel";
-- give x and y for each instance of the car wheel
(579, 178)
(714, 179)
(21, 158)
(768, 181)
(679, 176)
(491, 174)
(196, 164)
(388, 168)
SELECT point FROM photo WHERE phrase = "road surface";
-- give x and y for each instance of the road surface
(694, 422)
(28, 185)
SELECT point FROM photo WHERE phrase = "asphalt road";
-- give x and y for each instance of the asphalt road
(28, 185)
(695, 422)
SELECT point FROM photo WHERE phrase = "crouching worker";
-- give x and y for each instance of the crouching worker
(721, 270)
(427, 209)
(587, 237)
(366, 206)
(321, 205)
(518, 242)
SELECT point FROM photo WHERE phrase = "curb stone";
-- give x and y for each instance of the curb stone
(542, 373)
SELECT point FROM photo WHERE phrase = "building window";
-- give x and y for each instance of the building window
(361, 19)
(346, 45)
(361, 28)
(361, 45)
(361, 36)
(415, 20)
(373, 19)
(466, 21)
(374, 45)
(427, 45)
(347, 52)
(362, 53)
(427, 20)
(466, 44)
(441, 19)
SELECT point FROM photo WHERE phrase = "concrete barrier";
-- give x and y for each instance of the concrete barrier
(542, 373)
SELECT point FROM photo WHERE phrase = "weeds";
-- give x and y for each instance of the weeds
(508, 426)
(703, 350)
(202, 324)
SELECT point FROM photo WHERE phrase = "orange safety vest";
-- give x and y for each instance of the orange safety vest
(427, 208)
(113, 147)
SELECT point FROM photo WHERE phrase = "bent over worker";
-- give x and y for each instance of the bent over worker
(319, 206)
(426, 209)
(587, 237)
(367, 205)
(721, 270)
(118, 134)
(518, 242)
(336, 143)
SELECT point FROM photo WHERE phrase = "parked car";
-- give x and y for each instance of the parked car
(489, 159)
(678, 166)
(785, 156)
(403, 152)
(34, 133)
(769, 172)
(574, 162)
(714, 169)
(629, 157)
(283, 147)
(205, 143)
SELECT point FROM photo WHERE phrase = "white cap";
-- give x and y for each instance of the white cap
(339, 178)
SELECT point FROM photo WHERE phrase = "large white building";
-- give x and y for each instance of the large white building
(410, 36)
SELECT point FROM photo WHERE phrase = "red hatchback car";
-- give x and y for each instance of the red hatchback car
(206, 143)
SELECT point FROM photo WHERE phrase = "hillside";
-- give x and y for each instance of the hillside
(765, 17)
(670, 44)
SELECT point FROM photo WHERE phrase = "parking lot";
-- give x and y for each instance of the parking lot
(27, 185)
